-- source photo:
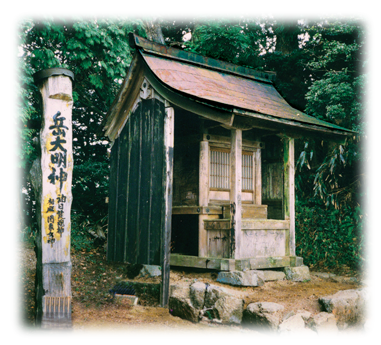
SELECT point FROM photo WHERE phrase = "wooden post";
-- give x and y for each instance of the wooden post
(236, 189)
(53, 289)
(203, 197)
(289, 190)
(258, 178)
(169, 146)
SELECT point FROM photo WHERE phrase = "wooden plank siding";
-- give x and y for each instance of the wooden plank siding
(137, 187)
(113, 202)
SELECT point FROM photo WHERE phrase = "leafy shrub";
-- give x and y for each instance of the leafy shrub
(328, 237)
(86, 235)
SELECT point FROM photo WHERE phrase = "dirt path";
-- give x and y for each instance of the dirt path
(92, 307)
(142, 322)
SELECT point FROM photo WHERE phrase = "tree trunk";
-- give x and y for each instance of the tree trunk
(286, 37)
(153, 30)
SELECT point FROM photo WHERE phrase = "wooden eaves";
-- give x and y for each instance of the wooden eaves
(234, 96)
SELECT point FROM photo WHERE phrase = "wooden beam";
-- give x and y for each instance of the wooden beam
(291, 128)
(236, 190)
(231, 264)
(195, 261)
(168, 145)
(197, 210)
(289, 189)
(216, 139)
(217, 224)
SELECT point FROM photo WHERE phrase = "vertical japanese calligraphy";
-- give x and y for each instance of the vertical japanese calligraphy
(58, 157)
(58, 160)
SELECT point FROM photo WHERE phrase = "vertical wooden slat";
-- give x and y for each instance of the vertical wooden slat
(113, 203)
(157, 168)
(127, 176)
(134, 172)
(121, 197)
(144, 218)
(140, 198)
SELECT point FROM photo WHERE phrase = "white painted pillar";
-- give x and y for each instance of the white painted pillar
(53, 261)
(236, 189)
(203, 197)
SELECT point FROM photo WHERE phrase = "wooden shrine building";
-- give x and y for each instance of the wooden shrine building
(202, 163)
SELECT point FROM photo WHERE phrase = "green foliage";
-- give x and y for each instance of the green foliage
(319, 71)
(81, 240)
(336, 95)
(174, 31)
(20, 107)
(328, 237)
(97, 52)
(239, 42)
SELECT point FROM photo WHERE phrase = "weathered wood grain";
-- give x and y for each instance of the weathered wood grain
(289, 190)
(204, 174)
(236, 189)
(53, 276)
(167, 216)
(197, 210)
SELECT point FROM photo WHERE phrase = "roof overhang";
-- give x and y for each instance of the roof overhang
(232, 95)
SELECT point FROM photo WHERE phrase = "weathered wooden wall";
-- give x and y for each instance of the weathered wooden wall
(137, 187)
(272, 178)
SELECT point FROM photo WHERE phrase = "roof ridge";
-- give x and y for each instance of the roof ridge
(198, 59)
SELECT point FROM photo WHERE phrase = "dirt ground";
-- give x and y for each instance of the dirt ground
(93, 307)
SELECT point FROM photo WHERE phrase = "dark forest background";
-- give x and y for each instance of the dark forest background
(320, 66)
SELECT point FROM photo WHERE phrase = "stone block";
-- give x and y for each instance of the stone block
(263, 315)
(150, 271)
(229, 309)
(181, 290)
(182, 307)
(296, 261)
(239, 278)
(227, 265)
(297, 274)
(197, 294)
(126, 300)
(213, 293)
(272, 275)
(323, 275)
(294, 328)
(348, 306)
(323, 322)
